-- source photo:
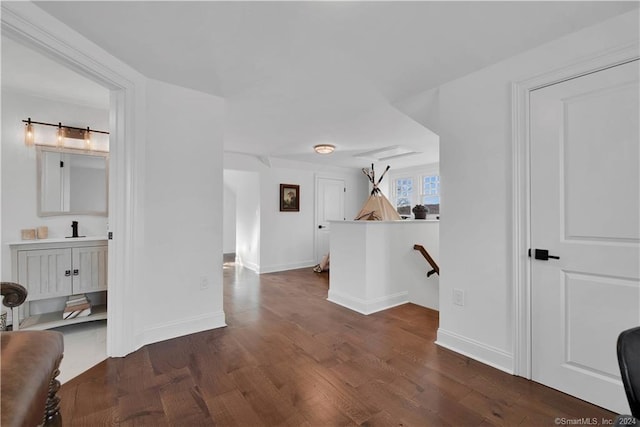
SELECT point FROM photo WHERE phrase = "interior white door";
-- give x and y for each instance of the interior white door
(585, 210)
(329, 207)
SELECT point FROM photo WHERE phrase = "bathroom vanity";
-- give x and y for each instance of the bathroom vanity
(54, 269)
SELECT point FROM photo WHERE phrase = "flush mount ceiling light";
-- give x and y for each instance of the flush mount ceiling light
(324, 148)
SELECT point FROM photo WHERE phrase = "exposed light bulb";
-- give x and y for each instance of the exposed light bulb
(87, 138)
(60, 135)
(29, 137)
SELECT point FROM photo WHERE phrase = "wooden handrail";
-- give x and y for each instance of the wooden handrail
(430, 260)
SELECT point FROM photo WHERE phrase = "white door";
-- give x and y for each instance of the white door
(329, 207)
(585, 210)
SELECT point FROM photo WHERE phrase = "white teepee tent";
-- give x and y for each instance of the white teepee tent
(377, 206)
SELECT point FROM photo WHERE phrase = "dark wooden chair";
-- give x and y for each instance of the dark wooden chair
(628, 349)
(29, 370)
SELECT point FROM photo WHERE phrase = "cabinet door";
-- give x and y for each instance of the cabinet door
(45, 273)
(89, 269)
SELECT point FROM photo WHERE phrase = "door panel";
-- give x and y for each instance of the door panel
(593, 316)
(44, 273)
(91, 266)
(585, 191)
(329, 207)
(601, 177)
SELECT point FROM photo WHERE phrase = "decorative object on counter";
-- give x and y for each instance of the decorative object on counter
(420, 211)
(62, 133)
(43, 232)
(377, 207)
(28, 234)
(289, 198)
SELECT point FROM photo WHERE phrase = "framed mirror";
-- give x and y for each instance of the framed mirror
(72, 182)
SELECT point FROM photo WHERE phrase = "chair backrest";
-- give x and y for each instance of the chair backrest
(14, 294)
(629, 360)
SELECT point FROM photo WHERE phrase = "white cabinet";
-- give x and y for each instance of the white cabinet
(53, 269)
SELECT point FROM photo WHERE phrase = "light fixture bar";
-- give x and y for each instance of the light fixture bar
(60, 125)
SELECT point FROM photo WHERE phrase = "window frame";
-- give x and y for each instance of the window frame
(416, 174)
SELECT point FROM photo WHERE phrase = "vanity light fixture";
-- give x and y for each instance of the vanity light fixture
(324, 148)
(62, 133)
(29, 136)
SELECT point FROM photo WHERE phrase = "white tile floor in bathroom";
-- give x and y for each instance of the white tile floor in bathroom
(85, 345)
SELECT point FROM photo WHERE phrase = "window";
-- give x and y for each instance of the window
(404, 195)
(431, 193)
(416, 187)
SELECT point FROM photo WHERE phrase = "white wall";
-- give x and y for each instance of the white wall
(182, 244)
(374, 265)
(286, 239)
(245, 187)
(473, 120)
(228, 218)
(19, 168)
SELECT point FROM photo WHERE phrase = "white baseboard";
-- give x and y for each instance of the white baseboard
(486, 354)
(180, 328)
(285, 267)
(368, 306)
(249, 265)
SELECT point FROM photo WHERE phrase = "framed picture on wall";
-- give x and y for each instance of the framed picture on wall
(289, 198)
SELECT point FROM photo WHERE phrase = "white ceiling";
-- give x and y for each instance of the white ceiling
(295, 74)
(23, 70)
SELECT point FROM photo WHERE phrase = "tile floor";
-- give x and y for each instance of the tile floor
(85, 345)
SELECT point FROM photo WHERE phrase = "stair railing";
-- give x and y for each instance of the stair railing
(432, 263)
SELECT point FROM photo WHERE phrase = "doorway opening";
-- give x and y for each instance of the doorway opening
(25, 25)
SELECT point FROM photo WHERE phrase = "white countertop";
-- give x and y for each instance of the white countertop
(399, 221)
(59, 240)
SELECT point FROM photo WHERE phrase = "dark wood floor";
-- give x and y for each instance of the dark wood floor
(289, 357)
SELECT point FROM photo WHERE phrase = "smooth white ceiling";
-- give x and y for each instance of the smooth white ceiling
(295, 74)
(27, 71)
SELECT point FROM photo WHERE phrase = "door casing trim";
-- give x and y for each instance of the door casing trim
(521, 196)
(33, 27)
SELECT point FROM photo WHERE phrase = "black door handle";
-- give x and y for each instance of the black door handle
(67, 273)
(543, 255)
(322, 226)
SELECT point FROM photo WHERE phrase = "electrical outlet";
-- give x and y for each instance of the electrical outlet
(204, 283)
(458, 297)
